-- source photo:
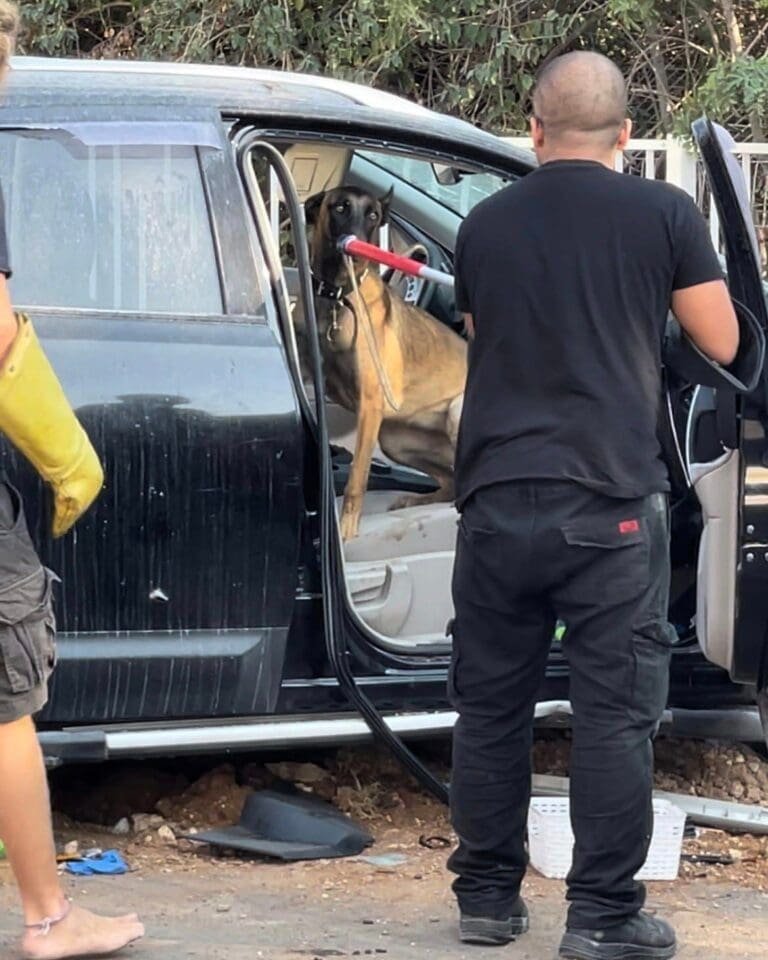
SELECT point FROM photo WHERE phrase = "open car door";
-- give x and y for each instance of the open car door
(726, 446)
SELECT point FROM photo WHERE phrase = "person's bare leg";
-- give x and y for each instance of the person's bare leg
(25, 827)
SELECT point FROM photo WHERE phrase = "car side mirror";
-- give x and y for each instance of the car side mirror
(683, 357)
(447, 175)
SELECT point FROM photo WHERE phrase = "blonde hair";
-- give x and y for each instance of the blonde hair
(9, 28)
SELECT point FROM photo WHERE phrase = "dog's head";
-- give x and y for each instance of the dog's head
(344, 212)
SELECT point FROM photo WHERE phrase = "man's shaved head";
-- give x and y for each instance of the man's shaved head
(582, 97)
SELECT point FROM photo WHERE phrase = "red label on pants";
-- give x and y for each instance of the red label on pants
(629, 526)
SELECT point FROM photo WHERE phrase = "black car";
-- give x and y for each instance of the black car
(205, 603)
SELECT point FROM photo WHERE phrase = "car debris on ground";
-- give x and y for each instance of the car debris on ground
(150, 809)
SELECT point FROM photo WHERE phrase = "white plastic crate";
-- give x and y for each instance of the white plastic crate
(550, 839)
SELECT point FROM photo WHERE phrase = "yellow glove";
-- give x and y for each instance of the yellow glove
(36, 417)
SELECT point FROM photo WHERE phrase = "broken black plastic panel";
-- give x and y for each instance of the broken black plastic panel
(289, 827)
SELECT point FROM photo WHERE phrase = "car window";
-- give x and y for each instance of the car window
(460, 197)
(101, 227)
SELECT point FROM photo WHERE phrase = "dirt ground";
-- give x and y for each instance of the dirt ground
(197, 903)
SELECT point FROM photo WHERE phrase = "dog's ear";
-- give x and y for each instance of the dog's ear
(385, 201)
(312, 208)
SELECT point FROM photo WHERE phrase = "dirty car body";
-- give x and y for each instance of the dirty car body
(190, 607)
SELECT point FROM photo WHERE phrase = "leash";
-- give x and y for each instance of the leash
(370, 336)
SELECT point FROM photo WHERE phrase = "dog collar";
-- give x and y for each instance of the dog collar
(328, 291)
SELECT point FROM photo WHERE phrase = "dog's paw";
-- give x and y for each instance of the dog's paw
(421, 500)
(350, 525)
(402, 503)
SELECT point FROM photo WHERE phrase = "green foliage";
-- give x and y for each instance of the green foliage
(471, 58)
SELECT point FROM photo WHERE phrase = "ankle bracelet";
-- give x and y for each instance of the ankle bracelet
(43, 927)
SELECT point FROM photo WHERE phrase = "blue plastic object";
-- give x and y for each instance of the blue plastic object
(108, 863)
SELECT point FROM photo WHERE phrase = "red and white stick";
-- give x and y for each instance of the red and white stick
(369, 251)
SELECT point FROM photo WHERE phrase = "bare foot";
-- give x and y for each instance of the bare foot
(82, 934)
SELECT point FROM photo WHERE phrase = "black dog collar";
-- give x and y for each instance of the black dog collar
(328, 291)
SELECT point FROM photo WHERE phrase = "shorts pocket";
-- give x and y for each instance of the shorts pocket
(27, 633)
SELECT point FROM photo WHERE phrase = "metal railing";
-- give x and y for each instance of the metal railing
(673, 161)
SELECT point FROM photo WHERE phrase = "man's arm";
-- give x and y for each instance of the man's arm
(706, 314)
(700, 298)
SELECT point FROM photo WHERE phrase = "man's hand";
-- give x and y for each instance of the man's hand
(469, 325)
(706, 314)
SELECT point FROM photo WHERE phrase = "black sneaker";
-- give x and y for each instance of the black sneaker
(640, 938)
(487, 932)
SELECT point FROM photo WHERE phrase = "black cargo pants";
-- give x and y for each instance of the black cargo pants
(527, 554)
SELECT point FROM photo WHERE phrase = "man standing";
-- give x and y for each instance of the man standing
(565, 280)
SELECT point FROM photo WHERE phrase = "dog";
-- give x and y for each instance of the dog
(400, 370)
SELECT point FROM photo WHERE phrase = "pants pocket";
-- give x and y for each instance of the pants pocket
(652, 650)
(27, 633)
(453, 690)
(614, 555)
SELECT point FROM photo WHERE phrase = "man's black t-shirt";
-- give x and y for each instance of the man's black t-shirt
(568, 275)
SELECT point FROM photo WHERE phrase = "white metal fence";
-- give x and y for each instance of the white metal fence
(672, 161)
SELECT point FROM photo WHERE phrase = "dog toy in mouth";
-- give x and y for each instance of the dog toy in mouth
(353, 247)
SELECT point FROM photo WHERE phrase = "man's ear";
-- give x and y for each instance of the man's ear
(312, 208)
(624, 135)
(385, 202)
(537, 132)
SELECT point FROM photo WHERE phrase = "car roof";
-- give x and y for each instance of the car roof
(40, 82)
(202, 84)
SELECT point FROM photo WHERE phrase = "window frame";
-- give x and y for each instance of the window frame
(370, 156)
(241, 290)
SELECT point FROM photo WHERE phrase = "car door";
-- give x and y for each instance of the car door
(726, 448)
(133, 256)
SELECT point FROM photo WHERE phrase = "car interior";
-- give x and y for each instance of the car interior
(398, 569)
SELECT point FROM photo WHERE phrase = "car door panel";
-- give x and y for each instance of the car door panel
(174, 597)
(732, 615)
(178, 586)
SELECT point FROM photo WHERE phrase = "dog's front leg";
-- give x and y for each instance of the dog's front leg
(369, 417)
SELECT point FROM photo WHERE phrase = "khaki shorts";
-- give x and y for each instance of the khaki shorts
(27, 624)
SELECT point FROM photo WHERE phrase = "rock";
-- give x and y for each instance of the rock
(223, 908)
(213, 800)
(298, 772)
(72, 849)
(143, 822)
(166, 835)
(122, 828)
(345, 798)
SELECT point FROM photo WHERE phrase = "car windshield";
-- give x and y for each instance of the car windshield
(460, 197)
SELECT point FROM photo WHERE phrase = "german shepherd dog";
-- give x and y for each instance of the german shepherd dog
(401, 371)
